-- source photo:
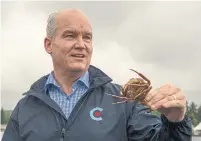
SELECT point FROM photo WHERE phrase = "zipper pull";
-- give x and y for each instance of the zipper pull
(62, 134)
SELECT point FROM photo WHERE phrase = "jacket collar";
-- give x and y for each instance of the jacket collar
(96, 78)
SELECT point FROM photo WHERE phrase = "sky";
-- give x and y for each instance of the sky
(162, 40)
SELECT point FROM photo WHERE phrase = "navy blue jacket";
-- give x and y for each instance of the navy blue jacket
(38, 118)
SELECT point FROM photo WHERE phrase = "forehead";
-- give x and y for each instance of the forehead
(76, 29)
(73, 21)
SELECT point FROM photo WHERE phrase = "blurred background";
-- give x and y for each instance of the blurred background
(160, 39)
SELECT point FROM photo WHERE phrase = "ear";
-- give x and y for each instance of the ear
(47, 45)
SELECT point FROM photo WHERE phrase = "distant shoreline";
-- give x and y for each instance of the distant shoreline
(196, 135)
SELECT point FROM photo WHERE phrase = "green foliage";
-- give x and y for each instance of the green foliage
(5, 116)
(199, 114)
(2, 116)
(192, 110)
(156, 113)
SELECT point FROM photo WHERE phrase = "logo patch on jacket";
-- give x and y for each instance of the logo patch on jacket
(95, 113)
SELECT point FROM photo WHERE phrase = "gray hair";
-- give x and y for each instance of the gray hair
(51, 25)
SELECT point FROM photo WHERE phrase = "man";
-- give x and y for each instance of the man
(72, 102)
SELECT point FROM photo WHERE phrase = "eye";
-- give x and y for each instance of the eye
(70, 36)
(87, 37)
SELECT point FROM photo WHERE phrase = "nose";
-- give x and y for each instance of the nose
(80, 43)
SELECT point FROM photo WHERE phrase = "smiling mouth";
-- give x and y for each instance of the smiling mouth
(78, 55)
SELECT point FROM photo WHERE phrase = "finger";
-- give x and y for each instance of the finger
(151, 94)
(163, 94)
(174, 104)
(155, 92)
(160, 95)
(178, 96)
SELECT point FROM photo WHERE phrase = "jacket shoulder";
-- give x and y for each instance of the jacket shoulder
(16, 111)
(112, 88)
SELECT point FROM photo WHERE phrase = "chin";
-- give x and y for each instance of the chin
(78, 67)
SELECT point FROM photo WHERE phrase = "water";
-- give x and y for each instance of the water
(194, 138)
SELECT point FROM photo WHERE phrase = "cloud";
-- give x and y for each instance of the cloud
(24, 58)
(116, 61)
(165, 33)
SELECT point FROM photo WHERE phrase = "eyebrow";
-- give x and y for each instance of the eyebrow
(87, 32)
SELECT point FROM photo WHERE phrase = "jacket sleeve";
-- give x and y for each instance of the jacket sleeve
(142, 125)
(12, 129)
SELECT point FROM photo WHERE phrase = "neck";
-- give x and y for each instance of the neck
(65, 79)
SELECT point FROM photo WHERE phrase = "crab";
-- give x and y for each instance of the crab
(136, 89)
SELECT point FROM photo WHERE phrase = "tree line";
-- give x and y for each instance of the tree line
(5, 116)
(193, 111)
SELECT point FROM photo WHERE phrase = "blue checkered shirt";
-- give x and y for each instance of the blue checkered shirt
(66, 102)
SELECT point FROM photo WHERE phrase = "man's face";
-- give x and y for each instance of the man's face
(71, 47)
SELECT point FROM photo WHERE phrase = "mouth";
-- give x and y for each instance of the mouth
(78, 55)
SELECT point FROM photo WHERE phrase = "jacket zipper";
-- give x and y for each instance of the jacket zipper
(62, 134)
(81, 104)
(63, 129)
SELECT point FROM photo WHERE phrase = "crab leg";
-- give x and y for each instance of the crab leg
(141, 76)
(115, 96)
(126, 87)
(120, 102)
(138, 85)
(145, 91)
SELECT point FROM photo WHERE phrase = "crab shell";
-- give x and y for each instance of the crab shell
(136, 89)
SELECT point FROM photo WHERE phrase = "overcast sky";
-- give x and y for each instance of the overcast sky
(160, 39)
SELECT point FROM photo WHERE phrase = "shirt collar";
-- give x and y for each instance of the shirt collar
(84, 79)
(51, 80)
